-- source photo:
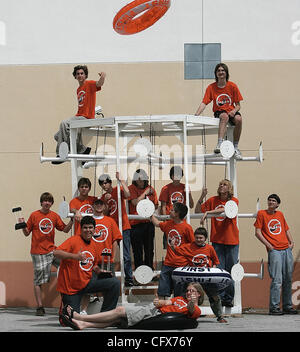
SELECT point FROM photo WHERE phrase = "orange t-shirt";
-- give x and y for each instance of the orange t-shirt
(135, 192)
(75, 275)
(43, 228)
(223, 230)
(273, 228)
(84, 206)
(86, 96)
(172, 194)
(179, 304)
(183, 233)
(195, 255)
(106, 233)
(112, 204)
(223, 98)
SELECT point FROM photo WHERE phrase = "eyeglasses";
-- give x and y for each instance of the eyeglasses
(191, 290)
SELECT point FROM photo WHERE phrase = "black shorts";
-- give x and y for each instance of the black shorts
(231, 119)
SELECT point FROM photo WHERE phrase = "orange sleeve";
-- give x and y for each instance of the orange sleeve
(207, 96)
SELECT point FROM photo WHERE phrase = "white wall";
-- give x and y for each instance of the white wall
(71, 31)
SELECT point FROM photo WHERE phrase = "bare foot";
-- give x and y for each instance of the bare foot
(79, 324)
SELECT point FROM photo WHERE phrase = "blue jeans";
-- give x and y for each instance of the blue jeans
(280, 265)
(228, 256)
(127, 255)
(110, 288)
(166, 284)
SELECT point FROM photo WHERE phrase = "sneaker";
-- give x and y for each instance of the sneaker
(290, 311)
(217, 149)
(129, 283)
(275, 311)
(237, 154)
(40, 312)
(222, 320)
(86, 152)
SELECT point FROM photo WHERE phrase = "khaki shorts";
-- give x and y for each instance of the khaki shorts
(135, 314)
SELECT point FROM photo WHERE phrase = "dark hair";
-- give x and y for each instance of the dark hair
(84, 181)
(81, 67)
(225, 67)
(176, 170)
(46, 196)
(87, 220)
(275, 196)
(104, 178)
(98, 200)
(201, 231)
(140, 174)
(181, 209)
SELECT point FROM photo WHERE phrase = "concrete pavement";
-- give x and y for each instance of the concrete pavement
(24, 320)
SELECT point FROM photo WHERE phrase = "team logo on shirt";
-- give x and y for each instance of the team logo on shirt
(223, 99)
(86, 209)
(274, 227)
(88, 263)
(174, 238)
(180, 304)
(45, 226)
(177, 197)
(200, 260)
(112, 206)
(101, 233)
(219, 218)
(80, 97)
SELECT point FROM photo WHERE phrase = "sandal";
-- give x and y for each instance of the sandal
(68, 322)
(66, 312)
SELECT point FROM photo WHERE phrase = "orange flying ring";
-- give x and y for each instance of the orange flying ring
(126, 23)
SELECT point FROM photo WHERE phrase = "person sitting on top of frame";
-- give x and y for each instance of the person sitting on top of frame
(226, 99)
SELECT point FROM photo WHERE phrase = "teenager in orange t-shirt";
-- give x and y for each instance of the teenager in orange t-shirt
(172, 193)
(107, 235)
(226, 99)
(110, 197)
(83, 204)
(201, 254)
(86, 97)
(42, 224)
(142, 231)
(79, 269)
(179, 232)
(130, 315)
(273, 231)
(224, 231)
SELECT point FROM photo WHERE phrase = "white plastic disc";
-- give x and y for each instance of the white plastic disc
(237, 272)
(63, 150)
(63, 209)
(142, 147)
(227, 149)
(143, 274)
(145, 208)
(231, 209)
